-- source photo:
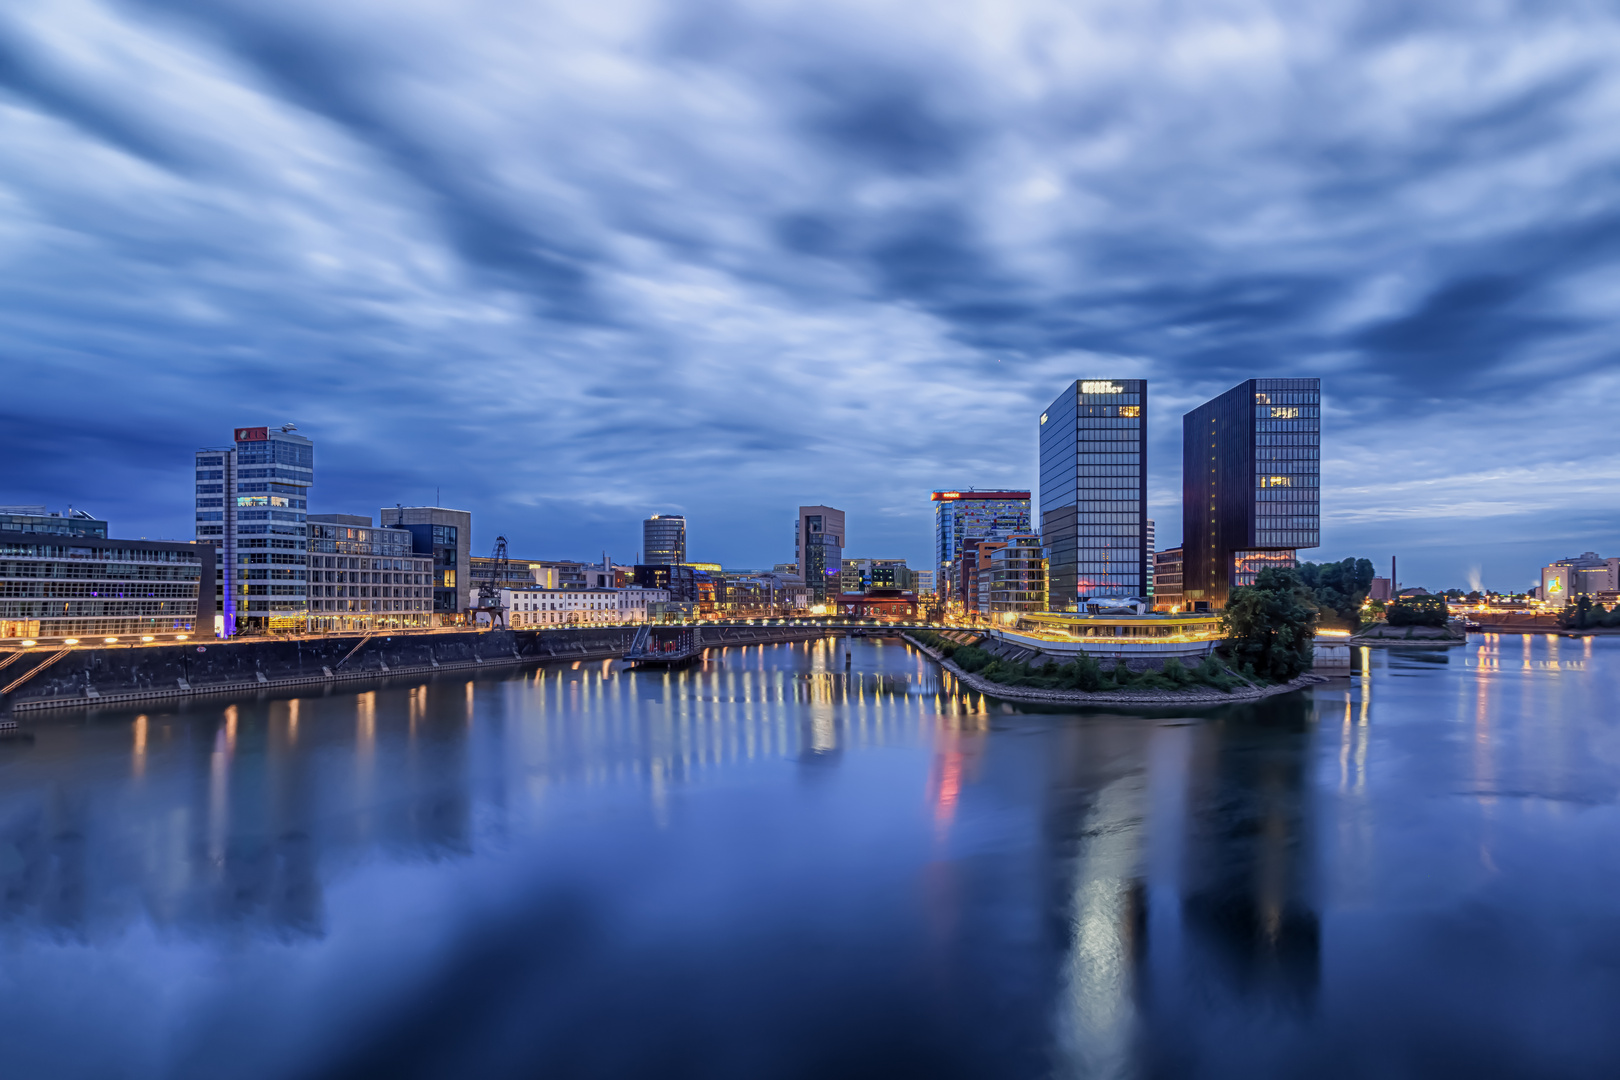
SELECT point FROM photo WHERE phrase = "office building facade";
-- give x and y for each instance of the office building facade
(59, 586)
(537, 607)
(818, 548)
(1251, 485)
(1167, 580)
(444, 536)
(365, 577)
(1094, 492)
(976, 557)
(1016, 578)
(252, 500)
(1152, 563)
(663, 540)
(964, 516)
(1588, 574)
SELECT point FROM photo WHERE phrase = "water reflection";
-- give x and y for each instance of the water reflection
(1188, 888)
(775, 864)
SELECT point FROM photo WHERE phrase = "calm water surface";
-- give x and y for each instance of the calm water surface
(771, 866)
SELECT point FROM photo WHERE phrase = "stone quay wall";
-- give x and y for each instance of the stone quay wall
(92, 677)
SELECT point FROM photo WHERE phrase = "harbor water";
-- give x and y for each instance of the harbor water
(819, 860)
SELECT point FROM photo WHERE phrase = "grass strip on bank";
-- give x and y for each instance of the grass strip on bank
(1081, 673)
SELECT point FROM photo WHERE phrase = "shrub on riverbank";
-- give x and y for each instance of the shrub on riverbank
(1270, 625)
(1586, 615)
(1081, 673)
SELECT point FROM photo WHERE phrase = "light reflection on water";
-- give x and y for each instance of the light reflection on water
(774, 866)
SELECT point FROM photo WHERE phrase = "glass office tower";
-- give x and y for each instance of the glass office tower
(963, 517)
(818, 548)
(663, 540)
(1251, 485)
(1094, 492)
(252, 500)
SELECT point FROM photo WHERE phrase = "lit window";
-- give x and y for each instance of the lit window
(1130, 410)
(1289, 412)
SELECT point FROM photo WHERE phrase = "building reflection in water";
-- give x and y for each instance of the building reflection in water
(233, 816)
(1185, 881)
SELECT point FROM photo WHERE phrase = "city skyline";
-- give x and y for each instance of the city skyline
(468, 258)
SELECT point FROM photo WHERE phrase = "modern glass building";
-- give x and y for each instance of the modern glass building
(1017, 578)
(818, 547)
(1094, 492)
(363, 577)
(252, 500)
(964, 516)
(1251, 485)
(57, 586)
(1167, 580)
(663, 540)
(446, 536)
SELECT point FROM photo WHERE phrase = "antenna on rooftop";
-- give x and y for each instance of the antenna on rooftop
(288, 427)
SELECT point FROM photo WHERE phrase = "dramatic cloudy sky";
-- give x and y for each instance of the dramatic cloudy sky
(579, 262)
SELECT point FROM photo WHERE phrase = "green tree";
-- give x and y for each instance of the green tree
(1419, 611)
(1340, 587)
(1269, 626)
(1582, 614)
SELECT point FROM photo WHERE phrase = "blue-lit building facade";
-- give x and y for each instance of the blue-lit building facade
(252, 501)
(963, 517)
(1251, 485)
(63, 579)
(1094, 521)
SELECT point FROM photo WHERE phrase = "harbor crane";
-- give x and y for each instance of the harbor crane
(489, 592)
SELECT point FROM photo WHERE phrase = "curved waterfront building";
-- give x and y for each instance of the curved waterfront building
(663, 540)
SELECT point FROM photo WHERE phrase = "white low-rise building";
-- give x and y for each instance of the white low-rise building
(544, 607)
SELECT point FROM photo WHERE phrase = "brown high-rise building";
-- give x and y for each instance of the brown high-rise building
(1251, 485)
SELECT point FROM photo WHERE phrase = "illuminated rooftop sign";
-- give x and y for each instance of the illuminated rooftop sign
(1100, 387)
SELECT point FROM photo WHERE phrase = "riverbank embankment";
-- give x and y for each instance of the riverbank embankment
(1154, 699)
(80, 678)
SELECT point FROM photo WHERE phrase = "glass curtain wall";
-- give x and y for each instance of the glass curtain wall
(1094, 492)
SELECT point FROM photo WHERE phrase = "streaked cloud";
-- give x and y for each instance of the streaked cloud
(576, 263)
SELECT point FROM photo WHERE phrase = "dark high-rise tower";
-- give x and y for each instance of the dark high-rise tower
(663, 540)
(818, 548)
(1251, 484)
(1094, 492)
